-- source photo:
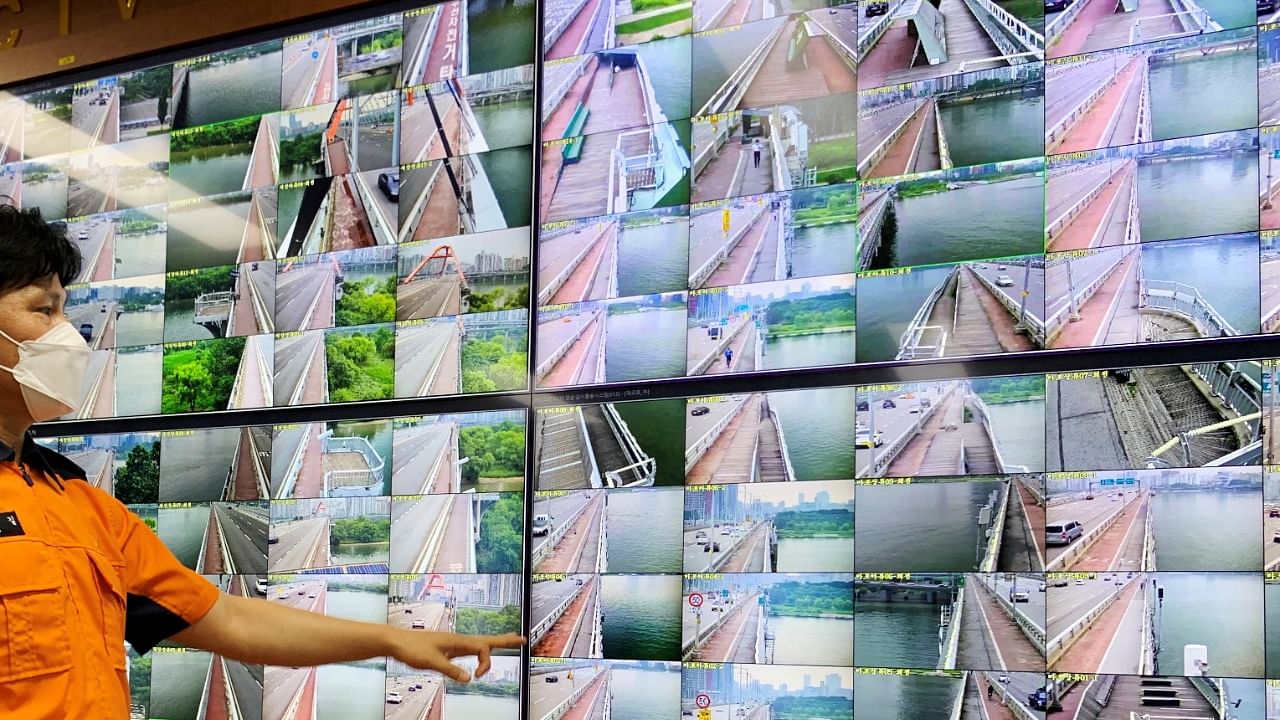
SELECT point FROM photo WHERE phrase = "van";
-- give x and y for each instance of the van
(1063, 534)
(541, 524)
(260, 586)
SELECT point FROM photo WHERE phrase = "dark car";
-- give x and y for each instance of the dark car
(699, 410)
(552, 678)
(1038, 700)
(877, 8)
(863, 406)
(888, 404)
(1056, 5)
(389, 184)
(86, 331)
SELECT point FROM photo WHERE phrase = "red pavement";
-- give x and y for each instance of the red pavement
(218, 707)
(735, 268)
(993, 709)
(908, 462)
(1078, 37)
(554, 127)
(1035, 516)
(245, 486)
(1094, 311)
(825, 73)
(1072, 699)
(899, 159)
(1269, 217)
(325, 91)
(1015, 649)
(577, 287)
(1085, 655)
(310, 483)
(1104, 553)
(723, 644)
(891, 53)
(251, 245)
(740, 559)
(351, 227)
(571, 39)
(1079, 232)
(442, 64)
(104, 405)
(109, 333)
(106, 265)
(308, 702)
(263, 173)
(452, 121)
(452, 554)
(441, 216)
(586, 704)
(213, 562)
(567, 552)
(559, 638)
(1089, 128)
(566, 369)
(738, 345)
(703, 471)
(435, 705)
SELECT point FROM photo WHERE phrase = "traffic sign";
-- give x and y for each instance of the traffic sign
(315, 54)
(703, 700)
(704, 714)
(695, 600)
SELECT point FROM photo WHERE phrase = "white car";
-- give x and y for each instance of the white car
(418, 624)
(394, 698)
(701, 538)
(1004, 281)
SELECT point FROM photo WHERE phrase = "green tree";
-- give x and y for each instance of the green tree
(189, 382)
(501, 547)
(139, 480)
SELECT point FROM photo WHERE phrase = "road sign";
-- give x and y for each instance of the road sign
(1107, 481)
(703, 700)
(695, 600)
(704, 714)
(315, 54)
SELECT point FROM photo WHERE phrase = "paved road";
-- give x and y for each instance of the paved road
(245, 532)
(194, 467)
(428, 520)
(294, 356)
(433, 614)
(893, 422)
(304, 298)
(93, 124)
(420, 350)
(875, 127)
(421, 455)
(1085, 269)
(247, 684)
(96, 465)
(1034, 609)
(256, 287)
(546, 596)
(1089, 513)
(415, 703)
(1064, 189)
(300, 545)
(560, 508)
(1068, 604)
(303, 73)
(554, 333)
(1064, 90)
(98, 249)
(1017, 272)
(428, 298)
(547, 696)
(697, 426)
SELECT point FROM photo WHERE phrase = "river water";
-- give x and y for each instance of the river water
(1203, 196)
(206, 235)
(817, 425)
(138, 255)
(182, 530)
(994, 129)
(644, 530)
(641, 616)
(645, 345)
(208, 170)
(653, 258)
(177, 684)
(352, 605)
(1233, 290)
(812, 641)
(1183, 523)
(350, 692)
(1019, 429)
(236, 90)
(809, 351)
(815, 555)
(925, 527)
(904, 698)
(886, 306)
(896, 635)
(644, 694)
(138, 381)
(1222, 86)
(824, 250)
(1221, 610)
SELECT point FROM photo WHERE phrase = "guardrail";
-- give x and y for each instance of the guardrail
(1142, 127)
(602, 546)
(1065, 123)
(1010, 35)
(643, 466)
(554, 284)
(957, 705)
(563, 708)
(364, 479)
(950, 645)
(782, 442)
(912, 340)
(699, 448)
(984, 413)
(584, 438)
(708, 267)
(891, 452)
(867, 250)
(537, 632)
(556, 535)
(546, 365)
(705, 153)
(690, 646)
(735, 86)
(988, 563)
(1186, 302)
(877, 29)
(1028, 628)
(601, 350)
(1058, 646)
(1235, 388)
(653, 110)
(882, 147)
(1214, 693)
(1057, 224)
(1193, 19)
(1060, 23)
(553, 33)
(1033, 325)
(1088, 539)
(1060, 317)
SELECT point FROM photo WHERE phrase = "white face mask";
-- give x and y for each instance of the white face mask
(51, 371)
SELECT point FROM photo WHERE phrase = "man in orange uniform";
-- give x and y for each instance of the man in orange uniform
(80, 574)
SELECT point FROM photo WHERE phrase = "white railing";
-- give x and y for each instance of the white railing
(980, 407)
(992, 552)
(1034, 326)
(913, 338)
(1057, 224)
(1012, 702)
(364, 479)
(553, 285)
(602, 350)
(1060, 23)
(1149, 543)
(652, 109)
(867, 250)
(563, 708)
(700, 446)
(735, 86)
(1060, 643)
(546, 365)
(890, 453)
(868, 36)
(554, 32)
(295, 464)
(782, 443)
(1184, 301)
(951, 643)
(705, 153)
(882, 147)
(1034, 634)
(560, 90)
(1142, 126)
(1193, 19)
(707, 268)
(690, 646)
(643, 467)
(1235, 388)
(1059, 318)
(1066, 122)
(1011, 36)
(1087, 540)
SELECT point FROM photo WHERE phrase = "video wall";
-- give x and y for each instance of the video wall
(715, 187)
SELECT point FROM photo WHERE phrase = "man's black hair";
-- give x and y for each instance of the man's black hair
(32, 249)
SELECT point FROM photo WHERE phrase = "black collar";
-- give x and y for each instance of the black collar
(44, 459)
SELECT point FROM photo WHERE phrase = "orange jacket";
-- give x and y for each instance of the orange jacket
(79, 575)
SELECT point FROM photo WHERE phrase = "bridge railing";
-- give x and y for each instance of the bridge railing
(868, 37)
(984, 414)
(1087, 540)
(992, 552)
(913, 339)
(1142, 126)
(549, 290)
(708, 267)
(652, 109)
(556, 535)
(1060, 643)
(706, 151)
(1065, 123)
(1190, 16)
(950, 643)
(735, 86)
(1235, 388)
(557, 29)
(1185, 301)
(207, 306)
(1011, 36)
(363, 478)
(699, 448)
(782, 443)
(1059, 24)
(890, 453)
(867, 250)
(537, 632)
(563, 708)
(545, 366)
(1064, 219)
(1149, 542)
(1011, 702)
(1028, 628)
(690, 646)
(868, 161)
(1060, 317)
(1034, 326)
(643, 467)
